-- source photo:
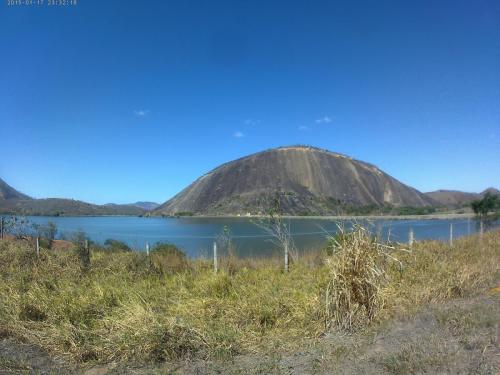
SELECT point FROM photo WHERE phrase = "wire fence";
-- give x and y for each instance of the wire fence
(197, 237)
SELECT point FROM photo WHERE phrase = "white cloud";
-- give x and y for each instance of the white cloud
(238, 134)
(251, 122)
(303, 128)
(141, 112)
(324, 120)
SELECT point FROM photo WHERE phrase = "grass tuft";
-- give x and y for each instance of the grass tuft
(357, 265)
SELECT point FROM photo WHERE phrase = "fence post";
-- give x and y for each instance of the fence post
(216, 268)
(37, 248)
(481, 229)
(379, 233)
(451, 234)
(1, 227)
(286, 256)
(468, 226)
(147, 248)
(87, 251)
(410, 238)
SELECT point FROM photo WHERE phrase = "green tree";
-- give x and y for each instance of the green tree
(489, 203)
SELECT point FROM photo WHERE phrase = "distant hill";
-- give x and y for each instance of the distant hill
(453, 198)
(312, 181)
(148, 206)
(66, 207)
(14, 202)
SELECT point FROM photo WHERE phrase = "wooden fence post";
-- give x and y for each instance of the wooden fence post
(1, 227)
(451, 234)
(481, 229)
(468, 226)
(379, 233)
(147, 248)
(216, 266)
(410, 238)
(37, 248)
(87, 251)
(286, 256)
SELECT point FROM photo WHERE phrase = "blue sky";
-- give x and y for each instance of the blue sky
(119, 101)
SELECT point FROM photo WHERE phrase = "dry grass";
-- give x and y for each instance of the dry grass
(124, 308)
(357, 264)
(434, 272)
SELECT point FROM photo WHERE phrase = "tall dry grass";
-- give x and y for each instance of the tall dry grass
(358, 264)
(127, 306)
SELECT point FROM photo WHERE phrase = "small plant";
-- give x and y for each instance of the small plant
(82, 249)
(47, 232)
(279, 231)
(227, 249)
(51, 232)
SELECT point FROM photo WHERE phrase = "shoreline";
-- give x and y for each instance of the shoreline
(343, 217)
(442, 216)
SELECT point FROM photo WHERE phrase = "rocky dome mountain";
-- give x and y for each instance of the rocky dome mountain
(310, 181)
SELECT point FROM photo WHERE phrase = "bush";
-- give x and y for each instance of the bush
(18, 227)
(82, 249)
(167, 258)
(116, 246)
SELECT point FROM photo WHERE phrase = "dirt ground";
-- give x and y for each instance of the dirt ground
(459, 337)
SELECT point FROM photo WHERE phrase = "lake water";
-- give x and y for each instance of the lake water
(196, 235)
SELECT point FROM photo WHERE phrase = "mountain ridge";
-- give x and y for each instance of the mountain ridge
(14, 202)
(454, 198)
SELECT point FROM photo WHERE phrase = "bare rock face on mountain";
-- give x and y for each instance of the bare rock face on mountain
(310, 181)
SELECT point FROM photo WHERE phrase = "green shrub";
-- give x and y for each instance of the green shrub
(82, 249)
(116, 246)
(167, 258)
